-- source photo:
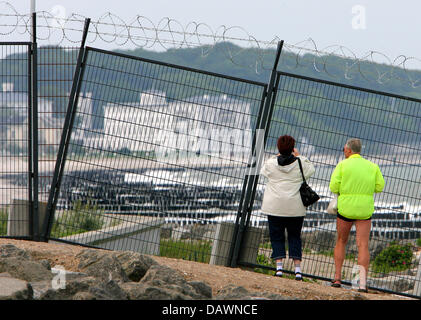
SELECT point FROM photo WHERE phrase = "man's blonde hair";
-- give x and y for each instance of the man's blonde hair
(354, 144)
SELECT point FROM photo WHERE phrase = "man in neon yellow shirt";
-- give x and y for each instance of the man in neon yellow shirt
(356, 180)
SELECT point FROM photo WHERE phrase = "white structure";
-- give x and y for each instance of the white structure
(134, 126)
(84, 105)
(14, 111)
(17, 101)
(214, 125)
(84, 130)
(202, 125)
(7, 86)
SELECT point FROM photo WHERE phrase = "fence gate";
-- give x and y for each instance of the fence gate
(322, 115)
(154, 157)
(16, 143)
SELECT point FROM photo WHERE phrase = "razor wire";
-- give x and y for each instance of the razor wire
(168, 33)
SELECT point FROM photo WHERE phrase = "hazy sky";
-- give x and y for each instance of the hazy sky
(391, 27)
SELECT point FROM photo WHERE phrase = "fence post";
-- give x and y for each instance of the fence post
(65, 137)
(417, 286)
(33, 129)
(251, 179)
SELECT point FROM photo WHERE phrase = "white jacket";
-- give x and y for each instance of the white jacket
(282, 197)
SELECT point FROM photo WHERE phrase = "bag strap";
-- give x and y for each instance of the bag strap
(301, 169)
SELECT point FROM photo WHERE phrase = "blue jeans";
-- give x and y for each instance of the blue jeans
(277, 226)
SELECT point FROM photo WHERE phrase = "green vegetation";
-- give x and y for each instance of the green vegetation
(83, 218)
(395, 257)
(419, 242)
(193, 250)
(318, 110)
(3, 222)
(62, 64)
(329, 253)
(265, 261)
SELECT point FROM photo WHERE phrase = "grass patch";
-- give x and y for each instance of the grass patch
(395, 257)
(197, 250)
(330, 253)
(3, 222)
(83, 218)
(265, 261)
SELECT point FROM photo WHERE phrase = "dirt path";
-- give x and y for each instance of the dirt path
(215, 276)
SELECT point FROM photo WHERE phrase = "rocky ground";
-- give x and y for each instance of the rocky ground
(100, 274)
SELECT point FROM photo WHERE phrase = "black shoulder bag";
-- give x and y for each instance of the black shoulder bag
(308, 195)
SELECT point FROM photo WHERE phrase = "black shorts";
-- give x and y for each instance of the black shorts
(349, 220)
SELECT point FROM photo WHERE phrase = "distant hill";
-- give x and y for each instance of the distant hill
(57, 64)
(218, 59)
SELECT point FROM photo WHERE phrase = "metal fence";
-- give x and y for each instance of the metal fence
(16, 142)
(322, 115)
(55, 67)
(160, 163)
(52, 70)
(135, 154)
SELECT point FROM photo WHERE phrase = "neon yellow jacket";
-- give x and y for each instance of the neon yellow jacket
(356, 180)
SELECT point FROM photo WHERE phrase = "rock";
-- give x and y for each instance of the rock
(134, 264)
(358, 296)
(11, 251)
(61, 279)
(46, 264)
(14, 289)
(67, 275)
(394, 283)
(84, 296)
(158, 275)
(162, 283)
(18, 263)
(141, 291)
(109, 290)
(232, 292)
(201, 288)
(71, 288)
(24, 269)
(134, 290)
(102, 265)
(119, 266)
(106, 275)
(39, 288)
(84, 288)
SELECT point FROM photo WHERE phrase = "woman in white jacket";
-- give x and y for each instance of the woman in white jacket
(282, 202)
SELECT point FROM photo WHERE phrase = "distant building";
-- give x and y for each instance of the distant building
(134, 126)
(212, 125)
(14, 113)
(17, 101)
(205, 125)
(17, 135)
